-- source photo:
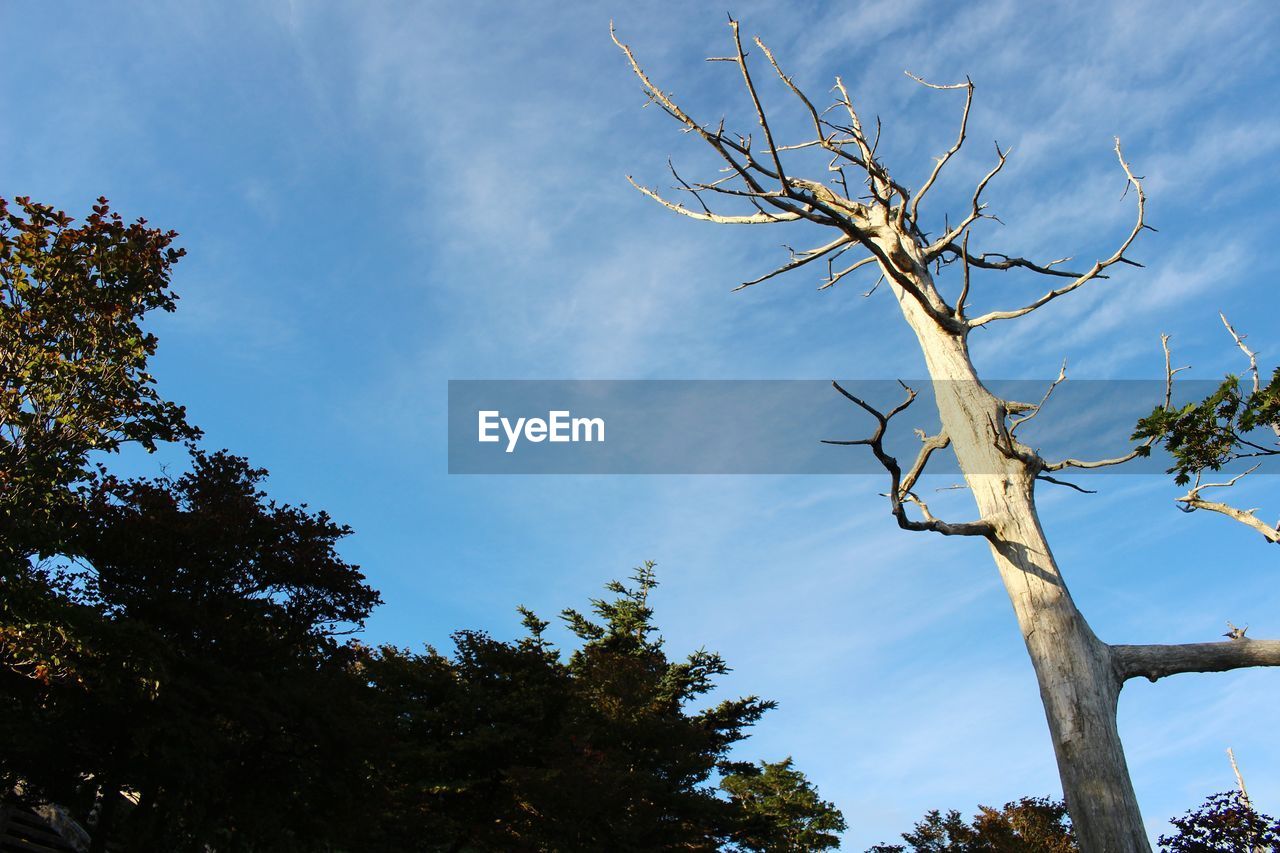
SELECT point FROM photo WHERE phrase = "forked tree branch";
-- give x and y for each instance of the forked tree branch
(760, 217)
(1244, 516)
(1169, 373)
(1248, 353)
(878, 181)
(976, 206)
(1001, 262)
(833, 277)
(806, 257)
(1034, 409)
(929, 445)
(1193, 501)
(942, 161)
(796, 198)
(723, 146)
(832, 141)
(900, 487)
(761, 119)
(892, 212)
(1098, 267)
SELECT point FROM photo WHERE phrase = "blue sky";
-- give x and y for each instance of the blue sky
(377, 198)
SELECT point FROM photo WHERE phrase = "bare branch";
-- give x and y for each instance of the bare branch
(822, 138)
(1000, 261)
(1235, 768)
(898, 492)
(1192, 501)
(1058, 482)
(717, 140)
(929, 444)
(1096, 463)
(1169, 372)
(1154, 662)
(878, 181)
(830, 141)
(755, 100)
(758, 218)
(911, 497)
(1034, 409)
(800, 260)
(964, 288)
(1098, 266)
(833, 277)
(869, 292)
(967, 85)
(1248, 353)
(661, 98)
(685, 186)
(797, 198)
(1228, 484)
(882, 419)
(976, 206)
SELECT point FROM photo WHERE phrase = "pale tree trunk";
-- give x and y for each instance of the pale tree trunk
(1079, 686)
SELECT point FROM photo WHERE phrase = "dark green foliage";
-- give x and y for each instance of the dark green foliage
(179, 639)
(209, 555)
(1206, 435)
(1225, 823)
(1030, 825)
(198, 667)
(783, 810)
(509, 746)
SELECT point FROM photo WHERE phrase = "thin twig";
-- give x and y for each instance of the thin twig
(1098, 266)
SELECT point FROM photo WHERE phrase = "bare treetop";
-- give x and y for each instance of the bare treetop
(871, 210)
(873, 218)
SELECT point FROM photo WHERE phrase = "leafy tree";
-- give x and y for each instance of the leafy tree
(1236, 422)
(872, 219)
(1225, 823)
(73, 379)
(179, 639)
(783, 810)
(169, 637)
(73, 353)
(205, 676)
(1030, 825)
(463, 743)
(511, 746)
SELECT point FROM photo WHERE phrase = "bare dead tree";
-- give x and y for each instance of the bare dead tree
(865, 209)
